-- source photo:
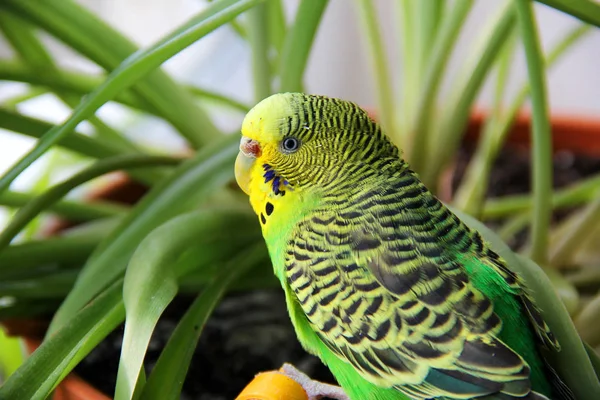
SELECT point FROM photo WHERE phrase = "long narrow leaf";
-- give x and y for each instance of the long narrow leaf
(259, 43)
(298, 43)
(38, 204)
(77, 142)
(90, 36)
(470, 195)
(184, 190)
(418, 130)
(572, 362)
(57, 355)
(151, 278)
(66, 81)
(385, 94)
(26, 44)
(71, 210)
(585, 10)
(70, 249)
(167, 377)
(131, 70)
(458, 106)
(541, 135)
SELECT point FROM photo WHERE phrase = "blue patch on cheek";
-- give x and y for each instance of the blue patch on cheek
(271, 175)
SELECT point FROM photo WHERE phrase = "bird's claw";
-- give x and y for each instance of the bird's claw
(315, 390)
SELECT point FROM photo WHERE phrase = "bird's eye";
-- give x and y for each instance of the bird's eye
(290, 144)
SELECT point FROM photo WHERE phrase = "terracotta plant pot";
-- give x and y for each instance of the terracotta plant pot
(580, 135)
(577, 134)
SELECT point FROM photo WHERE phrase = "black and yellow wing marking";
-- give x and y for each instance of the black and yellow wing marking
(381, 278)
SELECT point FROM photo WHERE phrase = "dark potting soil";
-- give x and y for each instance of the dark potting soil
(250, 332)
(511, 174)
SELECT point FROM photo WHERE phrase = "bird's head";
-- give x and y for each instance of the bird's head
(296, 141)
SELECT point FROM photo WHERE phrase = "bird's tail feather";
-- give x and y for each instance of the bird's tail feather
(503, 396)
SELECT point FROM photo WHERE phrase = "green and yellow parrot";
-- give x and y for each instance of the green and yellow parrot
(394, 293)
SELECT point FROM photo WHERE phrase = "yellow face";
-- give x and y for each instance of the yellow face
(261, 142)
(297, 143)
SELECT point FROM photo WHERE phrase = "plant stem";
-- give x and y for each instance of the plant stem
(87, 34)
(259, 43)
(571, 196)
(585, 10)
(470, 195)
(276, 24)
(41, 202)
(95, 147)
(408, 81)
(63, 80)
(298, 43)
(418, 130)
(587, 322)
(542, 144)
(27, 45)
(380, 65)
(207, 95)
(455, 117)
(131, 70)
(581, 224)
(72, 210)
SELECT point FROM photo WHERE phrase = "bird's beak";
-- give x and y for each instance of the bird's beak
(249, 151)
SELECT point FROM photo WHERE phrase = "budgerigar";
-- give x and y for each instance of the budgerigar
(397, 296)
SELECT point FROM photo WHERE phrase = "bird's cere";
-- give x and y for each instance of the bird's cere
(250, 147)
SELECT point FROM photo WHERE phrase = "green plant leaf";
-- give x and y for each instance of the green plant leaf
(259, 43)
(72, 210)
(133, 69)
(184, 190)
(72, 248)
(470, 195)
(298, 43)
(573, 195)
(11, 356)
(457, 108)
(26, 44)
(417, 139)
(151, 278)
(277, 29)
(385, 94)
(167, 377)
(90, 36)
(67, 81)
(59, 353)
(572, 362)
(28, 212)
(541, 133)
(585, 10)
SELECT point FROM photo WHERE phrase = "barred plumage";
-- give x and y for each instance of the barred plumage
(394, 285)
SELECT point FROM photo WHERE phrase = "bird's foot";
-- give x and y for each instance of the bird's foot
(315, 390)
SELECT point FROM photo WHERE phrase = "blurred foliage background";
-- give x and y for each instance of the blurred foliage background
(86, 84)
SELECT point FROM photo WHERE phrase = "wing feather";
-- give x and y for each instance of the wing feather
(384, 295)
